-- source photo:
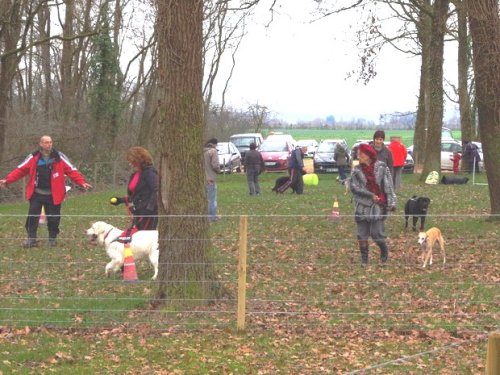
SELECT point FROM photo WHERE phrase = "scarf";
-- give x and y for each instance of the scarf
(371, 184)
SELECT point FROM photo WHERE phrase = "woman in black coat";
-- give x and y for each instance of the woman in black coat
(142, 189)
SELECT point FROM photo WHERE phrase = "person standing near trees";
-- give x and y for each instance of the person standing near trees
(254, 166)
(46, 169)
(142, 189)
(374, 196)
(212, 168)
(399, 154)
(383, 153)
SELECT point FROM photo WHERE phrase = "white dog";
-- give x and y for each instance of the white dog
(427, 241)
(144, 243)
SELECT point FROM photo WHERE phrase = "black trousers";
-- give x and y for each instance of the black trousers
(52, 211)
(145, 220)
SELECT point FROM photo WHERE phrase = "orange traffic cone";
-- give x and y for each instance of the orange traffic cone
(335, 215)
(43, 218)
(129, 271)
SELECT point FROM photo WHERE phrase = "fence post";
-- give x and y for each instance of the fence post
(242, 272)
(493, 354)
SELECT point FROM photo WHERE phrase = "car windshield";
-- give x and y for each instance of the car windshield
(223, 148)
(326, 147)
(242, 141)
(305, 143)
(273, 147)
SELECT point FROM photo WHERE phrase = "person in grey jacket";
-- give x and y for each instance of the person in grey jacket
(212, 168)
(254, 166)
(373, 192)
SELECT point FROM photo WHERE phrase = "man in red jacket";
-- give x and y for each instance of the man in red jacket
(399, 153)
(46, 188)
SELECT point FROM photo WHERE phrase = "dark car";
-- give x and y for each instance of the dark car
(323, 160)
(275, 155)
(242, 142)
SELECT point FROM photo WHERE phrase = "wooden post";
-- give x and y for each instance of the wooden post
(493, 354)
(242, 272)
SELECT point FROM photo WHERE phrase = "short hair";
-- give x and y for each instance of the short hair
(213, 141)
(252, 146)
(379, 134)
(139, 156)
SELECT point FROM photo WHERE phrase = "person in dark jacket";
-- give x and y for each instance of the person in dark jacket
(142, 189)
(383, 153)
(373, 193)
(46, 188)
(295, 170)
(254, 166)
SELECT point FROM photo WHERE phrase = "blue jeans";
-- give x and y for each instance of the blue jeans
(342, 175)
(212, 201)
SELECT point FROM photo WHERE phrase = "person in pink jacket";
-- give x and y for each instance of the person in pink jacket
(399, 154)
(46, 169)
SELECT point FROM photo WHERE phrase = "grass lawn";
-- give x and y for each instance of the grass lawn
(351, 136)
(310, 307)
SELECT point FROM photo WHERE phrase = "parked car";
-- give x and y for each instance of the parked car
(279, 136)
(311, 145)
(323, 158)
(229, 157)
(242, 142)
(276, 154)
(448, 147)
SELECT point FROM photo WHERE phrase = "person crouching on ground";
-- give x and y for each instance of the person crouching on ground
(373, 192)
(254, 166)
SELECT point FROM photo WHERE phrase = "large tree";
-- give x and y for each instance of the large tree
(184, 265)
(484, 26)
(435, 118)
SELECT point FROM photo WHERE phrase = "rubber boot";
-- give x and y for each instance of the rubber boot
(363, 248)
(384, 252)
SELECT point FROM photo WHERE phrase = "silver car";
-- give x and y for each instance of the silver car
(229, 157)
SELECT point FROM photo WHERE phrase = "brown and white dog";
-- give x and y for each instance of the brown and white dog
(427, 241)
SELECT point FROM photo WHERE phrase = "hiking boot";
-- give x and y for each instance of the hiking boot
(52, 242)
(30, 243)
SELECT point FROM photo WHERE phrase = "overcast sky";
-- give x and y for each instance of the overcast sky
(298, 69)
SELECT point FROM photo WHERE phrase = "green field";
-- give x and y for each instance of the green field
(351, 135)
(310, 307)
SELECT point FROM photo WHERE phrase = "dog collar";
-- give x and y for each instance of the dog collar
(106, 235)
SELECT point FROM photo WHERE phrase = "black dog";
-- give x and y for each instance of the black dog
(417, 207)
(280, 181)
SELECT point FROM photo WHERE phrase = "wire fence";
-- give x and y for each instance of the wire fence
(296, 280)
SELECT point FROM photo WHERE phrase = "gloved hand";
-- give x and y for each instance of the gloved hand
(115, 201)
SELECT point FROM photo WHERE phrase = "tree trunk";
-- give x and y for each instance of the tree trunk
(184, 268)
(433, 139)
(424, 26)
(44, 31)
(485, 31)
(67, 84)
(10, 31)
